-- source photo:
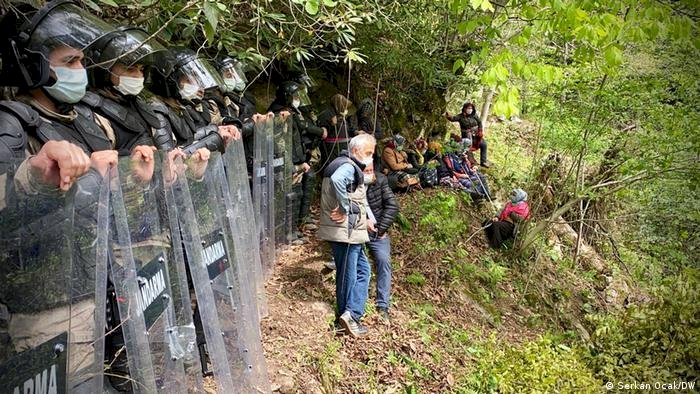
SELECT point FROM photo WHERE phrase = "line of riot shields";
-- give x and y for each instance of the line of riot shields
(139, 280)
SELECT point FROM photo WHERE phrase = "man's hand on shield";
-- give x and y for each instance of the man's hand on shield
(103, 160)
(143, 162)
(229, 133)
(172, 166)
(284, 115)
(59, 163)
(258, 118)
(197, 163)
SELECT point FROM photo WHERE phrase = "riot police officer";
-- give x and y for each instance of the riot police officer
(43, 56)
(236, 102)
(288, 98)
(179, 80)
(123, 61)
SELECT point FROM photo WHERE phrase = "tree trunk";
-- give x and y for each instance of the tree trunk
(486, 108)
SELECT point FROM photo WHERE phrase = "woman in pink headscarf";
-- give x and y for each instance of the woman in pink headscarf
(502, 227)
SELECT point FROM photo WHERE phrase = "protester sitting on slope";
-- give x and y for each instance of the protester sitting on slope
(502, 227)
(400, 172)
(479, 188)
(461, 176)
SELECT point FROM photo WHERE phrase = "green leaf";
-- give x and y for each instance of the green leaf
(329, 3)
(459, 63)
(93, 6)
(613, 56)
(211, 12)
(486, 6)
(209, 31)
(466, 27)
(311, 7)
(109, 2)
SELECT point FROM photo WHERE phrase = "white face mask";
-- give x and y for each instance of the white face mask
(234, 85)
(296, 103)
(367, 161)
(70, 84)
(189, 91)
(369, 179)
(129, 86)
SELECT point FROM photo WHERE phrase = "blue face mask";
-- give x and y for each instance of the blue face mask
(70, 84)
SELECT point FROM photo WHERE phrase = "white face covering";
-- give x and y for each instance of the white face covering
(70, 84)
(367, 161)
(234, 85)
(369, 179)
(129, 86)
(296, 103)
(189, 91)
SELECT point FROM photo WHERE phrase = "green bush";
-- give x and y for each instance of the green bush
(653, 342)
(542, 366)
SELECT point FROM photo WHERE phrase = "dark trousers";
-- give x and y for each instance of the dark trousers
(498, 232)
(308, 188)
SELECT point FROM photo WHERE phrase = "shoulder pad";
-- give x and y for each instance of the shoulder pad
(13, 138)
(92, 99)
(158, 106)
(147, 112)
(26, 114)
(84, 111)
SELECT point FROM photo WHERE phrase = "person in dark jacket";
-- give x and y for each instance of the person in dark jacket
(385, 208)
(340, 125)
(367, 121)
(236, 102)
(288, 99)
(472, 130)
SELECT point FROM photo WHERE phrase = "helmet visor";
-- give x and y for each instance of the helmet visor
(304, 96)
(200, 72)
(130, 47)
(229, 72)
(67, 26)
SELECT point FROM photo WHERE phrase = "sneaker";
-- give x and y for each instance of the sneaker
(352, 327)
(330, 265)
(384, 314)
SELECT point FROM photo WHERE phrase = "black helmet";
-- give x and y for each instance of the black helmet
(176, 65)
(286, 92)
(130, 46)
(27, 41)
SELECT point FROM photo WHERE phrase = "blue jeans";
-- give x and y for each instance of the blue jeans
(351, 278)
(381, 252)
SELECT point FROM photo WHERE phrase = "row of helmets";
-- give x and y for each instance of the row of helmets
(31, 38)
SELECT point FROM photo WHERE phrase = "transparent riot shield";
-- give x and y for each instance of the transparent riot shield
(89, 237)
(263, 191)
(242, 215)
(283, 170)
(160, 345)
(225, 297)
(41, 348)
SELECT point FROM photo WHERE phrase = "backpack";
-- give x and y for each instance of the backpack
(428, 177)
